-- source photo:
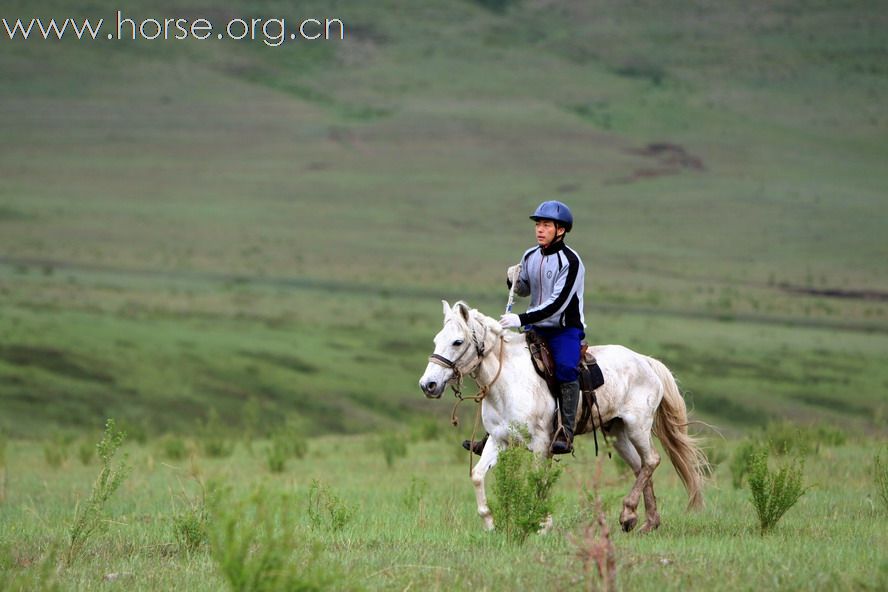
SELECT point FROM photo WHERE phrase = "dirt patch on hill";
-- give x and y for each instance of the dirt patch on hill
(669, 159)
(872, 295)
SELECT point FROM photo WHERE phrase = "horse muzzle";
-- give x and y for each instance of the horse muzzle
(432, 389)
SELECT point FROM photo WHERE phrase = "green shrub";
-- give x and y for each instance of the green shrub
(287, 442)
(88, 516)
(774, 493)
(190, 524)
(173, 447)
(880, 474)
(393, 446)
(522, 491)
(427, 429)
(277, 455)
(258, 548)
(412, 497)
(326, 510)
(3, 443)
(85, 452)
(55, 451)
(787, 437)
(214, 438)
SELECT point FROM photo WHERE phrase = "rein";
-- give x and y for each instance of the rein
(482, 390)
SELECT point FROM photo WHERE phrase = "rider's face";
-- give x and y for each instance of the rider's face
(546, 232)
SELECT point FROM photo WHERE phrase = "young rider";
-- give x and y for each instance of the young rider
(552, 274)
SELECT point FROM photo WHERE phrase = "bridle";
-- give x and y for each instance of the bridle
(456, 380)
(454, 364)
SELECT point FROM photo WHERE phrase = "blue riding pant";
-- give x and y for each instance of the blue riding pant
(564, 343)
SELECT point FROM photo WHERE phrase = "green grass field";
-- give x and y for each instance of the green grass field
(413, 524)
(265, 234)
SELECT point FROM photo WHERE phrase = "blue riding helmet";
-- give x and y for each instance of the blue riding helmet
(556, 211)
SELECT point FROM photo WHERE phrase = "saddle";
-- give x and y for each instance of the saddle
(591, 378)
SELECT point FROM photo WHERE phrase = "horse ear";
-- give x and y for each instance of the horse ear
(446, 307)
(463, 310)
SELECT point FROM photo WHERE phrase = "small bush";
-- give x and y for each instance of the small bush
(286, 442)
(190, 524)
(412, 497)
(277, 455)
(3, 443)
(427, 429)
(880, 474)
(326, 510)
(595, 547)
(393, 446)
(215, 441)
(85, 452)
(88, 516)
(173, 447)
(774, 493)
(55, 451)
(257, 547)
(787, 437)
(522, 491)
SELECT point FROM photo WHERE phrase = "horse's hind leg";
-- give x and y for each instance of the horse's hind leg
(627, 451)
(639, 440)
(488, 459)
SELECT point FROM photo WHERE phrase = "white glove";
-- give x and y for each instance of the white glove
(512, 273)
(510, 321)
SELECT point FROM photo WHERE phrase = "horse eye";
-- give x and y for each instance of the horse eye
(458, 342)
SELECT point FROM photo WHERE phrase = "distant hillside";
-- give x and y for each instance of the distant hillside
(197, 224)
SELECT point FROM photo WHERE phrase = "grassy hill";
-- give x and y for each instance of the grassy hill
(195, 225)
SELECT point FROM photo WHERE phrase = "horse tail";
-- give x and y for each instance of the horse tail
(671, 427)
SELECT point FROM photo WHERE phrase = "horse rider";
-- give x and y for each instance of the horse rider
(552, 274)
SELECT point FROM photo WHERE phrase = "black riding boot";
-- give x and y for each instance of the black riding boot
(570, 396)
(479, 445)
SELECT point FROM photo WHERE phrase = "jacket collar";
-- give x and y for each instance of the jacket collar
(553, 248)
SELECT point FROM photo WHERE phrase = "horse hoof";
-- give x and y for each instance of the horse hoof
(629, 524)
(648, 527)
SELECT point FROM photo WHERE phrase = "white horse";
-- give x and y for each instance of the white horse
(639, 396)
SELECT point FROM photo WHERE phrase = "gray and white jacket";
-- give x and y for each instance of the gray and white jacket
(553, 277)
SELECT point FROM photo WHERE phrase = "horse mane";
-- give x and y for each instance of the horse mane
(490, 323)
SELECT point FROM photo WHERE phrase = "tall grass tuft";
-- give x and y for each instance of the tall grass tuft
(55, 451)
(88, 516)
(258, 547)
(287, 442)
(326, 510)
(191, 522)
(3, 443)
(773, 493)
(522, 490)
(214, 438)
(880, 475)
(393, 446)
(595, 547)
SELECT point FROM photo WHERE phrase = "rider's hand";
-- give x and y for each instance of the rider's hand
(512, 274)
(510, 321)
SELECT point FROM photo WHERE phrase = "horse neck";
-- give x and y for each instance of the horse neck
(489, 372)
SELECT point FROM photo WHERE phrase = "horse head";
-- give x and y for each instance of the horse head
(459, 348)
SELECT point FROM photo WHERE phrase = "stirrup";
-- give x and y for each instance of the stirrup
(562, 447)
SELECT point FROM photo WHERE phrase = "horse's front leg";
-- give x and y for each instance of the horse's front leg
(488, 459)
